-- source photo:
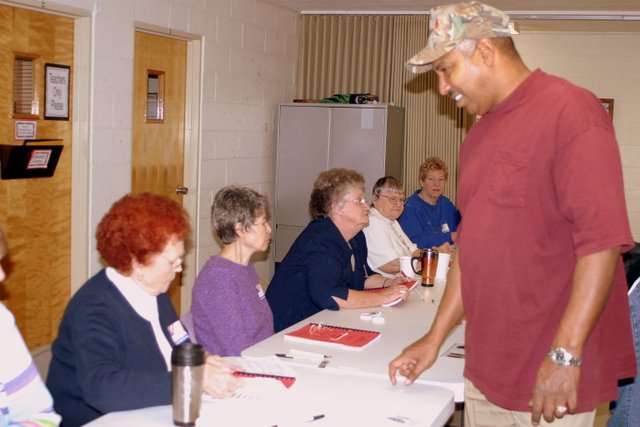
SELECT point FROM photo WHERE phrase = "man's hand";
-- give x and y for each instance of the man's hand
(591, 284)
(555, 386)
(414, 360)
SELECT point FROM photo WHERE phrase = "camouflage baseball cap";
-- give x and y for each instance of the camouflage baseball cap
(450, 24)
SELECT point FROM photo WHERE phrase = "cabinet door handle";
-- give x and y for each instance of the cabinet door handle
(182, 190)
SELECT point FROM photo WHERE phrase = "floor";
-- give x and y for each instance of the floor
(602, 415)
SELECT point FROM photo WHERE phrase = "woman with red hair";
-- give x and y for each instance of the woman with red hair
(113, 350)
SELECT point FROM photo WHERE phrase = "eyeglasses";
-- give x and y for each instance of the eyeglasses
(175, 263)
(432, 180)
(360, 200)
(393, 199)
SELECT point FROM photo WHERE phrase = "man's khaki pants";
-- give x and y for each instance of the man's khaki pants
(479, 412)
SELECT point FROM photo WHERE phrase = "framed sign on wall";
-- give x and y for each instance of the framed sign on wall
(56, 84)
(607, 103)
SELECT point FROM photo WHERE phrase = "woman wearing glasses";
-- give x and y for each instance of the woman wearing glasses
(228, 307)
(430, 219)
(113, 350)
(386, 242)
(326, 266)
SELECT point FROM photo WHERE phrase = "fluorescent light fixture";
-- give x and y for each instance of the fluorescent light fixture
(571, 15)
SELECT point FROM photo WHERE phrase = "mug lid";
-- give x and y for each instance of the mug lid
(188, 354)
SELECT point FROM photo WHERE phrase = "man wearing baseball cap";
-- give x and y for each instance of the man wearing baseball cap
(537, 273)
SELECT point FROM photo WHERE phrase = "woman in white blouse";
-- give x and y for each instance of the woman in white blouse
(386, 242)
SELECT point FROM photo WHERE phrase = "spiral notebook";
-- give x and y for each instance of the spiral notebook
(286, 381)
(335, 336)
(268, 367)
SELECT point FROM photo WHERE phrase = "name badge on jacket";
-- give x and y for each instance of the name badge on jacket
(260, 291)
(178, 332)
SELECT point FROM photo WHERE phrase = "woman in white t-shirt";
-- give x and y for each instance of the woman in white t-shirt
(386, 242)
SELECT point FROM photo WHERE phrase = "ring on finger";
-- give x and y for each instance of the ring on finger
(561, 410)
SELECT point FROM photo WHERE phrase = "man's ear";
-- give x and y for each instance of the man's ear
(487, 51)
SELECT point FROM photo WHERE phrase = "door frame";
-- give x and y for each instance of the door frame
(192, 137)
(81, 122)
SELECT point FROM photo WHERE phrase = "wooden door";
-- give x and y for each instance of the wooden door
(36, 212)
(159, 120)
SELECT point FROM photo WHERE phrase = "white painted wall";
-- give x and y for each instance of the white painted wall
(608, 66)
(250, 56)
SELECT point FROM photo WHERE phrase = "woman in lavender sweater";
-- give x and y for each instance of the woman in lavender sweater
(229, 309)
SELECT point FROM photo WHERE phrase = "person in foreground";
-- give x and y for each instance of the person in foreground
(24, 399)
(326, 266)
(538, 272)
(430, 219)
(386, 242)
(113, 350)
(229, 309)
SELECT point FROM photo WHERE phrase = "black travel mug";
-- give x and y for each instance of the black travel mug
(187, 373)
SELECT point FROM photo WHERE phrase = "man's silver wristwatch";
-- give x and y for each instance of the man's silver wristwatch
(562, 357)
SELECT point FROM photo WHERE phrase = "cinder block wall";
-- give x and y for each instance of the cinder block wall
(606, 64)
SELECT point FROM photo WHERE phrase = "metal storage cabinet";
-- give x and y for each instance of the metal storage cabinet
(315, 137)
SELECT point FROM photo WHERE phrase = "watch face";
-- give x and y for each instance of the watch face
(562, 357)
(559, 356)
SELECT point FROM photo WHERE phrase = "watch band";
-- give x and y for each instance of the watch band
(562, 357)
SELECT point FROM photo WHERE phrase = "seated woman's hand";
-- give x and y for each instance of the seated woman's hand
(445, 248)
(219, 380)
(400, 280)
(395, 291)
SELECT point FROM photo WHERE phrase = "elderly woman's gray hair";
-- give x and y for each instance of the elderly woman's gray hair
(387, 184)
(330, 187)
(236, 205)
